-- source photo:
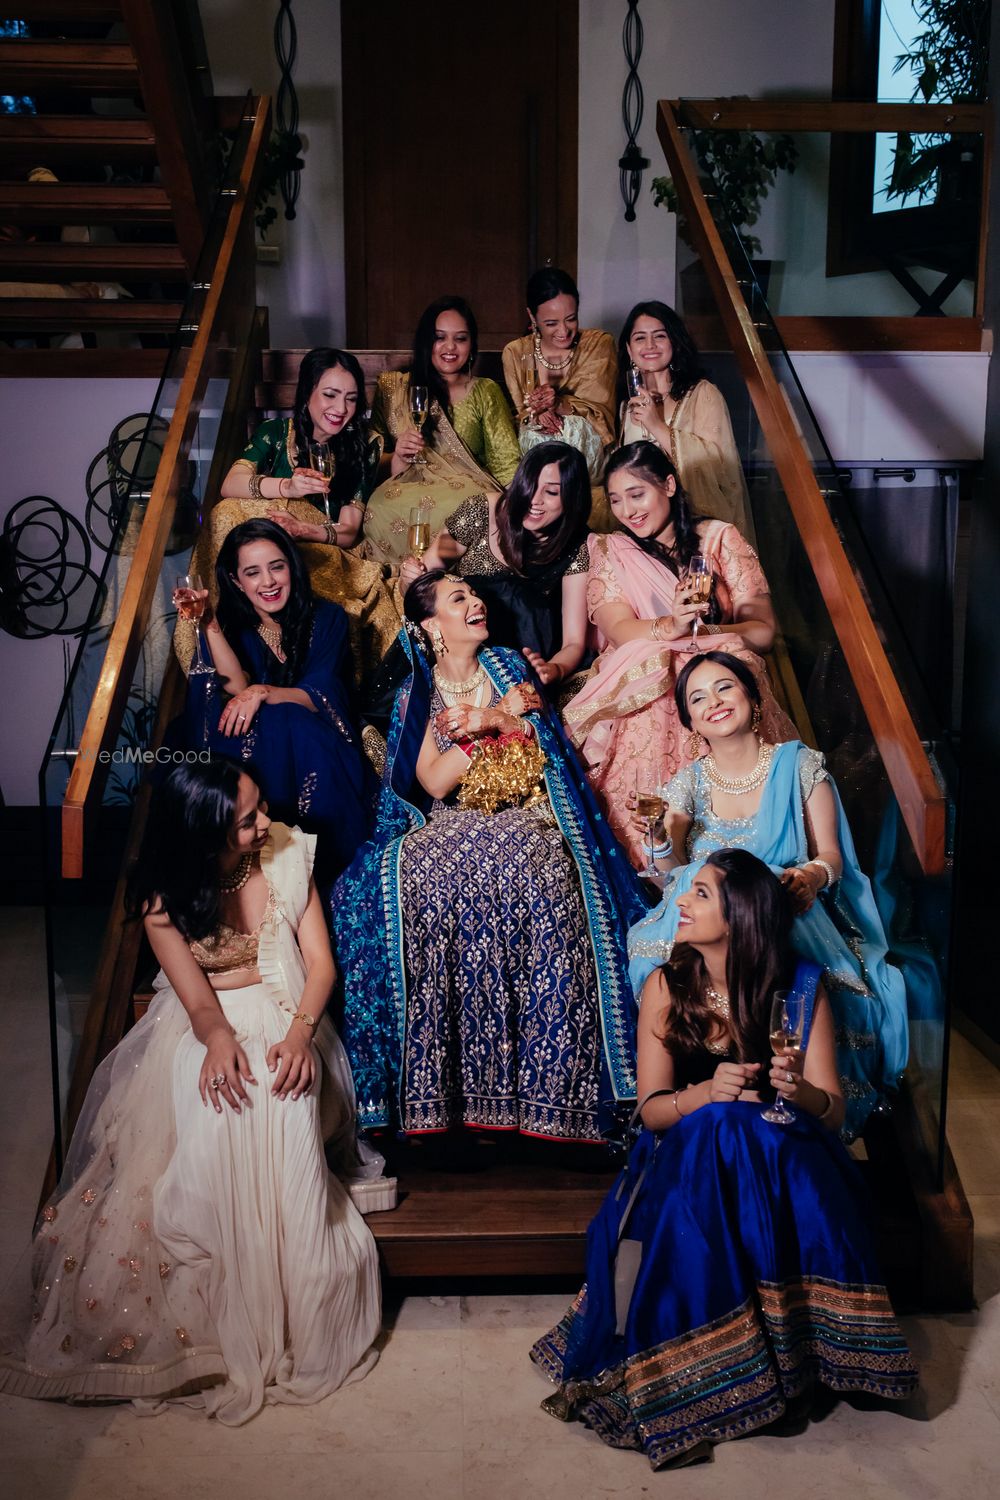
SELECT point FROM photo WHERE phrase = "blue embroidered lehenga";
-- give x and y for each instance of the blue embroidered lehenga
(730, 1268)
(311, 765)
(483, 955)
(842, 930)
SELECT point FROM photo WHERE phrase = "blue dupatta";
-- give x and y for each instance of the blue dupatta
(367, 902)
(842, 931)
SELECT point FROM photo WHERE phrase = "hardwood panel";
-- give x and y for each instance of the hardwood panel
(68, 10)
(29, 139)
(117, 364)
(94, 67)
(59, 262)
(32, 203)
(73, 314)
(921, 801)
(855, 335)
(280, 369)
(825, 115)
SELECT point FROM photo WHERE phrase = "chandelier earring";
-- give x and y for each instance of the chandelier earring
(437, 641)
(755, 718)
(695, 746)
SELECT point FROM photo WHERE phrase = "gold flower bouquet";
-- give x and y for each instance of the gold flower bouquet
(505, 771)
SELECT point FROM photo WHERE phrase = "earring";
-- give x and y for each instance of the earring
(695, 746)
(437, 641)
(755, 718)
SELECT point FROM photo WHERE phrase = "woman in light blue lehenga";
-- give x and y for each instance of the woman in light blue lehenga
(779, 802)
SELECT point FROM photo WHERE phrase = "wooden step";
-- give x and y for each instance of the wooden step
(68, 10)
(30, 262)
(81, 203)
(87, 314)
(41, 140)
(93, 67)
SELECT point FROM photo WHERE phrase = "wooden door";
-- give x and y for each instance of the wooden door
(460, 142)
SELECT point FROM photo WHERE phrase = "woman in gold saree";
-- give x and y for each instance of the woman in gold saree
(680, 411)
(466, 446)
(561, 377)
(273, 480)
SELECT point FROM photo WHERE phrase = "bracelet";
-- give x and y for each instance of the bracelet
(829, 1105)
(677, 1106)
(330, 527)
(827, 870)
(281, 493)
(660, 851)
(301, 1015)
(256, 493)
(655, 631)
(710, 629)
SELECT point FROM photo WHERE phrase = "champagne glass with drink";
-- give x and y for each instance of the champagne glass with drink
(787, 1017)
(189, 597)
(698, 586)
(634, 383)
(650, 805)
(419, 534)
(530, 374)
(419, 410)
(322, 459)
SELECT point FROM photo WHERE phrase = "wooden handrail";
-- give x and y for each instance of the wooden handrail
(831, 116)
(107, 708)
(913, 782)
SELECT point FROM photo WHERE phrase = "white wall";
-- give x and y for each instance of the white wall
(305, 294)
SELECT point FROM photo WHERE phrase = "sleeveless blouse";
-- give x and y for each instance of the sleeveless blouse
(226, 950)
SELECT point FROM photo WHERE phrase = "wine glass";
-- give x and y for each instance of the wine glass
(323, 460)
(188, 589)
(419, 533)
(698, 585)
(650, 806)
(787, 1016)
(419, 410)
(529, 371)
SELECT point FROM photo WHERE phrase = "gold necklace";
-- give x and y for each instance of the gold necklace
(551, 364)
(739, 786)
(239, 877)
(271, 636)
(460, 689)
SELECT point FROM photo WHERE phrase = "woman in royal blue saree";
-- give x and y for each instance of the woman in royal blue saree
(483, 951)
(787, 811)
(731, 1267)
(278, 697)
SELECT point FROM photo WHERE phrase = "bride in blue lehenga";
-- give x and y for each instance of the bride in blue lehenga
(779, 802)
(731, 1267)
(483, 952)
(276, 695)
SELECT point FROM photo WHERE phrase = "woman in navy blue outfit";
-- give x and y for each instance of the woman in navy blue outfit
(731, 1266)
(278, 696)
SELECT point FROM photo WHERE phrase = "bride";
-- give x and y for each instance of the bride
(197, 1245)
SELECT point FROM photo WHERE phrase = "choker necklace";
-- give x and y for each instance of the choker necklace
(553, 364)
(460, 689)
(271, 636)
(238, 879)
(739, 786)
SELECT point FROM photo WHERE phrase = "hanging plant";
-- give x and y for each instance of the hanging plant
(744, 168)
(281, 159)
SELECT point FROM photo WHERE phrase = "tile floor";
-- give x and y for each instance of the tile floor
(452, 1408)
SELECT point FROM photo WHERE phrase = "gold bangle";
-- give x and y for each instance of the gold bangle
(677, 1106)
(256, 493)
(301, 1015)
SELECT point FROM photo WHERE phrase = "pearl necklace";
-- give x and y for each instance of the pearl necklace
(739, 786)
(239, 877)
(271, 636)
(551, 364)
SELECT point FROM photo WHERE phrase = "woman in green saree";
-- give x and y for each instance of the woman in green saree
(467, 446)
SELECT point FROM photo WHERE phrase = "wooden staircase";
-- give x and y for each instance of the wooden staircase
(124, 127)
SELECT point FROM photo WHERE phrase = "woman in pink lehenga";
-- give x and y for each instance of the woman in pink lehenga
(644, 606)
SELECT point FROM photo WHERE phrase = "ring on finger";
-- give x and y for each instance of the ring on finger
(789, 1077)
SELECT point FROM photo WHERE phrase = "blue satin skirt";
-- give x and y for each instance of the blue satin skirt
(730, 1268)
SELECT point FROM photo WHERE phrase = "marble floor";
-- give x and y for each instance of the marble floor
(452, 1408)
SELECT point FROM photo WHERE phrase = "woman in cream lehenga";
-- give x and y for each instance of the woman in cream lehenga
(640, 598)
(197, 1247)
(466, 446)
(561, 377)
(273, 480)
(682, 413)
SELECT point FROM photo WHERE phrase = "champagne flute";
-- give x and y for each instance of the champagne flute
(529, 372)
(698, 585)
(419, 533)
(188, 588)
(650, 806)
(419, 410)
(634, 382)
(323, 460)
(787, 1017)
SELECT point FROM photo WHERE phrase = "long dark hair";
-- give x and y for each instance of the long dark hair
(191, 818)
(651, 464)
(549, 282)
(739, 669)
(759, 916)
(420, 599)
(685, 361)
(422, 371)
(237, 614)
(351, 442)
(522, 549)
